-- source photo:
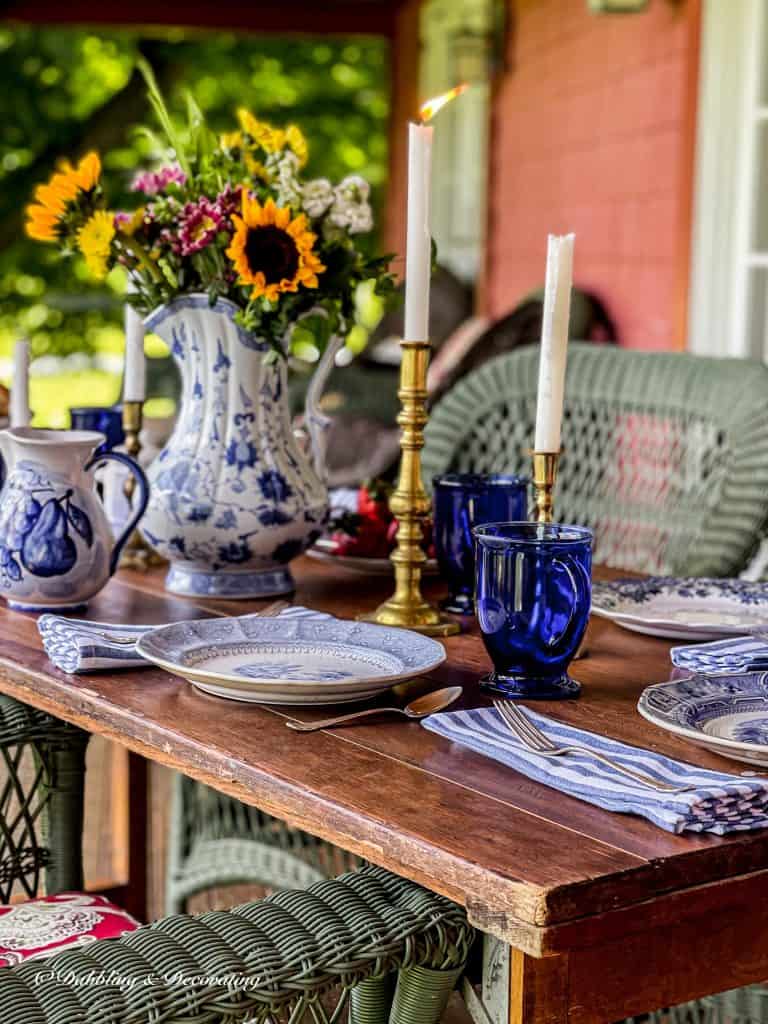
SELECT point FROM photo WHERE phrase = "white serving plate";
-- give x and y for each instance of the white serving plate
(683, 609)
(285, 660)
(727, 714)
(322, 551)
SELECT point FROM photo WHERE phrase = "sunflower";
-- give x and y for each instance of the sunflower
(271, 251)
(94, 240)
(263, 134)
(67, 185)
(273, 140)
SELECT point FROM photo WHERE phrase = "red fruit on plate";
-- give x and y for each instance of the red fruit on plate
(372, 539)
(343, 543)
(373, 500)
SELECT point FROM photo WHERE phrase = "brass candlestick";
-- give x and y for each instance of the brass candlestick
(544, 475)
(410, 504)
(136, 554)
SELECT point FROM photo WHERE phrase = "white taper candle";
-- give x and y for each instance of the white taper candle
(20, 414)
(554, 343)
(419, 241)
(135, 378)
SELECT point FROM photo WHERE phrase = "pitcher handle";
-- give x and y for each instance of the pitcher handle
(141, 508)
(316, 420)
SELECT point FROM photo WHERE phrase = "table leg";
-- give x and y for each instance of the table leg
(538, 989)
(133, 895)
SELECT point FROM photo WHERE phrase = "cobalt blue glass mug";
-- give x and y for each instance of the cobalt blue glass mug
(534, 587)
(461, 501)
(104, 419)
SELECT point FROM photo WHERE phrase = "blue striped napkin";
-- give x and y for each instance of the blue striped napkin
(720, 803)
(80, 646)
(732, 654)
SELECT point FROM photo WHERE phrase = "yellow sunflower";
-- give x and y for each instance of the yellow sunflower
(273, 140)
(45, 216)
(271, 251)
(94, 240)
(261, 132)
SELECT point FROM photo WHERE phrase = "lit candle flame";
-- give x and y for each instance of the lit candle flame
(431, 107)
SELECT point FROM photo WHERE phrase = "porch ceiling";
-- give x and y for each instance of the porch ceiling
(331, 17)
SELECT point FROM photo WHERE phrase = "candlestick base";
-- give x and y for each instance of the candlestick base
(544, 476)
(137, 554)
(410, 504)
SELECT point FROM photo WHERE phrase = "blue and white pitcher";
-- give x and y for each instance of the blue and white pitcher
(233, 496)
(56, 547)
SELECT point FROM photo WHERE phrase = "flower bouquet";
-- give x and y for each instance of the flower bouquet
(231, 216)
(235, 260)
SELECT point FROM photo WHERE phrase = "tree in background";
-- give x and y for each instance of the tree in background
(71, 90)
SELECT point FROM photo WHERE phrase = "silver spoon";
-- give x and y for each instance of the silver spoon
(419, 708)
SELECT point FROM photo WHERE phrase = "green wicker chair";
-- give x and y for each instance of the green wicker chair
(41, 801)
(665, 455)
(389, 948)
(355, 939)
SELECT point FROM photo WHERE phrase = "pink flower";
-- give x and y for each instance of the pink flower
(152, 182)
(199, 224)
(228, 201)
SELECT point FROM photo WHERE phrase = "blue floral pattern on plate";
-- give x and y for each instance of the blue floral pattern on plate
(686, 608)
(725, 713)
(286, 670)
(291, 660)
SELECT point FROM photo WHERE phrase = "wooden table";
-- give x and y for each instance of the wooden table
(604, 914)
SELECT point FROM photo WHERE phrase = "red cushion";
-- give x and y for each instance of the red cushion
(39, 928)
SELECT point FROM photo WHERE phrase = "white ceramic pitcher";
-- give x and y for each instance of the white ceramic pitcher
(56, 547)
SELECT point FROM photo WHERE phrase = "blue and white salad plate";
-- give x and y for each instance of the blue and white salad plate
(683, 609)
(727, 714)
(282, 660)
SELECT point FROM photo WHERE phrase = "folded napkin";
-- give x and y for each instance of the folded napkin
(720, 803)
(79, 646)
(732, 654)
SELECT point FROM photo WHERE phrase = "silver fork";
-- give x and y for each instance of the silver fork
(534, 739)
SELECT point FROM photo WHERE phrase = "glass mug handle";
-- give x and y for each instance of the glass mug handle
(582, 593)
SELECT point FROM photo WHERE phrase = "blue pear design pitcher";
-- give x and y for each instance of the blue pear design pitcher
(56, 546)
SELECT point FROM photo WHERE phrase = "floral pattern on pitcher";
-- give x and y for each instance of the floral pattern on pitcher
(234, 498)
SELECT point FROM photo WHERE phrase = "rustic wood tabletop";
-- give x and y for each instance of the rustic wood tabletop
(605, 914)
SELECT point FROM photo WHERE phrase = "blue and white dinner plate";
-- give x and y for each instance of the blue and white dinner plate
(727, 714)
(683, 609)
(290, 660)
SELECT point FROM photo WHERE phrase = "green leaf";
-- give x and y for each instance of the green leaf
(160, 109)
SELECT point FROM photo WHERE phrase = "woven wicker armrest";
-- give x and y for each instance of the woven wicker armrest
(279, 954)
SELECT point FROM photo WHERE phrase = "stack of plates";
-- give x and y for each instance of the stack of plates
(284, 660)
(680, 608)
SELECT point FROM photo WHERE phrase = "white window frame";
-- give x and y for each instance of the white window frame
(729, 118)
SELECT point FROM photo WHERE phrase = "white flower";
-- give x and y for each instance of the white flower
(282, 169)
(317, 196)
(353, 189)
(351, 209)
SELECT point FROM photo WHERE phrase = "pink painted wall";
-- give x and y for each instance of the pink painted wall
(593, 126)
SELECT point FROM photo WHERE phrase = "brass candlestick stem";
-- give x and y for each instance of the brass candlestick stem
(544, 475)
(410, 504)
(136, 554)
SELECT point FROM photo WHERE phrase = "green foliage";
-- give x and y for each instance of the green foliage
(68, 90)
